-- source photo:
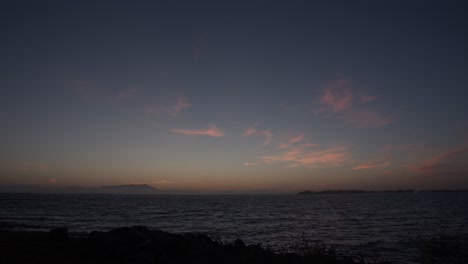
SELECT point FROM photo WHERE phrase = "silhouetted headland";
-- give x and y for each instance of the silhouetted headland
(355, 191)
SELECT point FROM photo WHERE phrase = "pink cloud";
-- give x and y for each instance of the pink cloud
(381, 163)
(297, 139)
(266, 133)
(250, 163)
(173, 110)
(337, 97)
(181, 104)
(211, 131)
(249, 131)
(52, 181)
(307, 155)
(338, 101)
(32, 167)
(160, 182)
(439, 161)
(268, 136)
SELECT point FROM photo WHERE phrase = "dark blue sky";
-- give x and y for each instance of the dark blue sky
(235, 95)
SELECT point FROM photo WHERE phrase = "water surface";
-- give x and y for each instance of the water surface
(378, 224)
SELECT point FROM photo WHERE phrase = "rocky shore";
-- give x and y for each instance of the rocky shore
(144, 246)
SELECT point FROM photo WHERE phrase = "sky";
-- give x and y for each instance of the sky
(238, 95)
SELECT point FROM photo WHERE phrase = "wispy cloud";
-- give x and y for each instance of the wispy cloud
(211, 131)
(266, 133)
(181, 104)
(439, 161)
(307, 155)
(339, 101)
(250, 163)
(173, 110)
(297, 138)
(268, 136)
(373, 164)
(32, 167)
(249, 131)
(337, 96)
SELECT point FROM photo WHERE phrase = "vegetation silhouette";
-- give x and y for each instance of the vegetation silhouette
(139, 244)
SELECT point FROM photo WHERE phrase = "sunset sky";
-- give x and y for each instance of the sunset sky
(224, 95)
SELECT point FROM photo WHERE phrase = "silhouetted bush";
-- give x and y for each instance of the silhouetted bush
(444, 247)
(145, 246)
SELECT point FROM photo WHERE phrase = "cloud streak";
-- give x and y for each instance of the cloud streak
(211, 131)
(268, 136)
(440, 161)
(374, 164)
(161, 182)
(173, 110)
(266, 133)
(307, 155)
(337, 97)
(297, 139)
(181, 104)
(249, 131)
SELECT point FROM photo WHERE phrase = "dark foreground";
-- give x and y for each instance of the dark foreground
(141, 245)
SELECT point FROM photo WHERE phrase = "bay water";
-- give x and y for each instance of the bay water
(385, 225)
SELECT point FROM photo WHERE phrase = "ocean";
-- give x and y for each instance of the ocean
(385, 225)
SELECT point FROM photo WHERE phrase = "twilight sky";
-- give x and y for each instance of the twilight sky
(235, 95)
